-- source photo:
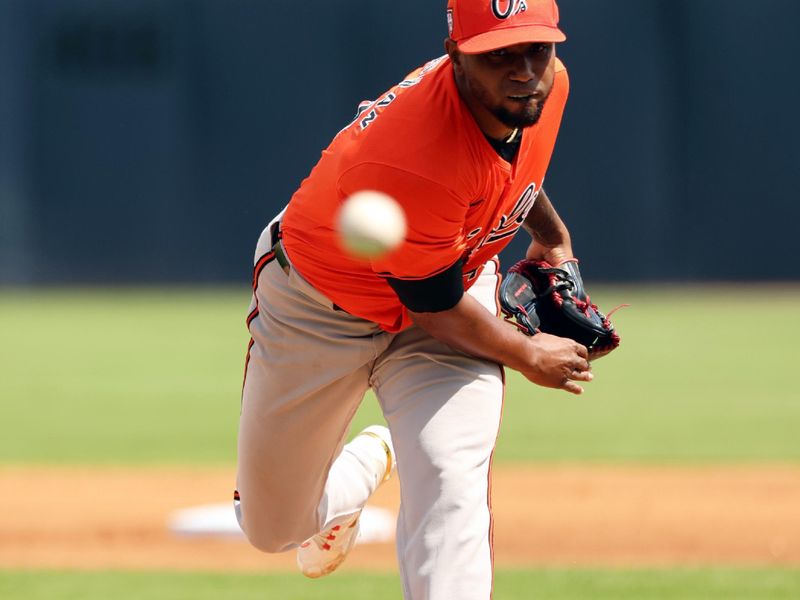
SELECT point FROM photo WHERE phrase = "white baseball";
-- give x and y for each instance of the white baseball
(371, 224)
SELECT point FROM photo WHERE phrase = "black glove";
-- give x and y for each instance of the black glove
(536, 296)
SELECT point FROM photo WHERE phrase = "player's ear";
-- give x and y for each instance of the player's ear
(452, 51)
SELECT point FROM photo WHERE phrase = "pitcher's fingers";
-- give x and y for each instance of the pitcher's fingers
(578, 375)
(582, 364)
(581, 350)
(571, 387)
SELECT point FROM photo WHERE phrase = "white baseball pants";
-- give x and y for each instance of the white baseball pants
(308, 368)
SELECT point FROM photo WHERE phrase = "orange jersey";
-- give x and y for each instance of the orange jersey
(420, 144)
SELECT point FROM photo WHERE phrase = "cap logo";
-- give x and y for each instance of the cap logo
(503, 9)
(450, 21)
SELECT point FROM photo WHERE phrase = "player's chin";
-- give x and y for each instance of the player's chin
(522, 112)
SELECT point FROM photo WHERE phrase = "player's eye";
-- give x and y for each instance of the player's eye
(539, 49)
(498, 53)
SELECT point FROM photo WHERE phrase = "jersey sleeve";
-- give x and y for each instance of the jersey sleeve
(435, 218)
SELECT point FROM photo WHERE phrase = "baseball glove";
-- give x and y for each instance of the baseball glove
(536, 296)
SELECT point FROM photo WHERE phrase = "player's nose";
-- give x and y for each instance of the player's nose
(524, 70)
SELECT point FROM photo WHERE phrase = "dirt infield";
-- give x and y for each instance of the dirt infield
(104, 518)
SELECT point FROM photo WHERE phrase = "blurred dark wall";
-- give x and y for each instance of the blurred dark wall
(150, 141)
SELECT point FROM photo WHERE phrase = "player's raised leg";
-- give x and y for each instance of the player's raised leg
(295, 417)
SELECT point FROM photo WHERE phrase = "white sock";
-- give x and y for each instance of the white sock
(353, 478)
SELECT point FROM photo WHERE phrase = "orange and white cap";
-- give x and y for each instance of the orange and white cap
(483, 25)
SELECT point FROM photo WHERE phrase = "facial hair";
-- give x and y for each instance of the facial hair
(528, 117)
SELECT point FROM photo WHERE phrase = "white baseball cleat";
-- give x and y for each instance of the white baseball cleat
(322, 554)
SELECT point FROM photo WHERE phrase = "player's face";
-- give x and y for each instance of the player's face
(509, 85)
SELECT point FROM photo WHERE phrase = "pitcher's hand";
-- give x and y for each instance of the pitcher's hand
(557, 362)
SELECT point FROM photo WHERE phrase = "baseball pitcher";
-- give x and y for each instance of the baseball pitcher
(463, 145)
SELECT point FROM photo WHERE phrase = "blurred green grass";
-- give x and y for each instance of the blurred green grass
(154, 375)
(543, 584)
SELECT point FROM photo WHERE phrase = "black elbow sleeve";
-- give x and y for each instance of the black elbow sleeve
(435, 294)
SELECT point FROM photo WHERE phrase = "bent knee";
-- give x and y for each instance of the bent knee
(267, 536)
(270, 533)
(268, 543)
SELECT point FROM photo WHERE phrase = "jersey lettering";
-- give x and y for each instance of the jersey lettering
(382, 103)
(509, 224)
(368, 119)
(362, 107)
(503, 9)
(388, 98)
